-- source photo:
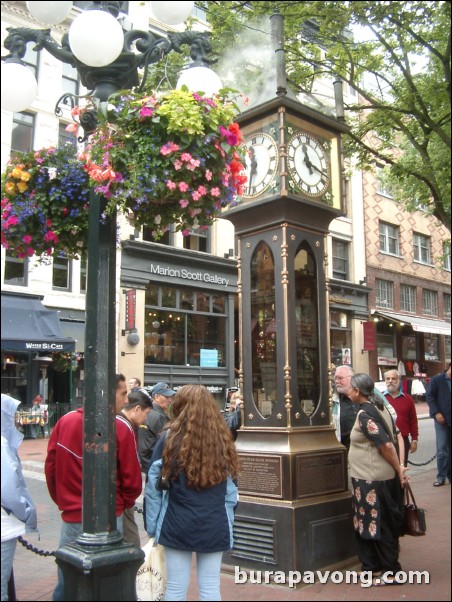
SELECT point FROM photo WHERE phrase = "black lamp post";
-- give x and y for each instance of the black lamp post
(99, 566)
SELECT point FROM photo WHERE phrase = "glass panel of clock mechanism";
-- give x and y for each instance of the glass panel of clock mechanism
(263, 324)
(306, 318)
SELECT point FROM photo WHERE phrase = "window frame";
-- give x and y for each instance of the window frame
(386, 237)
(418, 248)
(388, 300)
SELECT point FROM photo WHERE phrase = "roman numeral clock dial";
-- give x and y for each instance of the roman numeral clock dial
(309, 165)
(261, 163)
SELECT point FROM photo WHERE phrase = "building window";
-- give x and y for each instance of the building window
(23, 133)
(385, 340)
(447, 341)
(16, 270)
(69, 81)
(446, 256)
(184, 327)
(431, 347)
(198, 240)
(166, 239)
(408, 298)
(83, 275)
(340, 336)
(421, 245)
(446, 298)
(383, 187)
(340, 259)
(429, 303)
(65, 137)
(61, 276)
(384, 293)
(389, 238)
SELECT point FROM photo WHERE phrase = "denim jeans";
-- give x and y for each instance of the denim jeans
(178, 569)
(442, 450)
(8, 550)
(69, 533)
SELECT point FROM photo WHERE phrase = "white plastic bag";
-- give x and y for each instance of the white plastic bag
(151, 576)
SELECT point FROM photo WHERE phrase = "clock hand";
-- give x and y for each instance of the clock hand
(306, 159)
(253, 169)
(318, 169)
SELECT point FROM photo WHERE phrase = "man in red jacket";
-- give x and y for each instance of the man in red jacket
(405, 409)
(63, 470)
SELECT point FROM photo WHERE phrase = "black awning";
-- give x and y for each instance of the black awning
(29, 326)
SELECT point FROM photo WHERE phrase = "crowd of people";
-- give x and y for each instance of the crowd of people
(183, 438)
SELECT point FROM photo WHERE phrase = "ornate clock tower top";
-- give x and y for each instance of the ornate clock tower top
(294, 156)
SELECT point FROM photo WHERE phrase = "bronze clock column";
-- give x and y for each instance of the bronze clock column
(294, 511)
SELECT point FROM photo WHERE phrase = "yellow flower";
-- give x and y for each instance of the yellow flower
(10, 187)
(25, 176)
(22, 186)
(16, 173)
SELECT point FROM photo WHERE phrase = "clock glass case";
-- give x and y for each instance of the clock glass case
(261, 163)
(309, 164)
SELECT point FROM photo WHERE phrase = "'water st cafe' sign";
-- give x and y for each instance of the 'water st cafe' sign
(36, 346)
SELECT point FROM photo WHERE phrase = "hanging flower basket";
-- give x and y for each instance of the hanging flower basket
(63, 361)
(171, 158)
(44, 204)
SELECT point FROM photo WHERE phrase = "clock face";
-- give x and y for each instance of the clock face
(261, 161)
(309, 164)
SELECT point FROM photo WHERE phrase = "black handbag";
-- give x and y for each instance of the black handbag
(415, 523)
(163, 484)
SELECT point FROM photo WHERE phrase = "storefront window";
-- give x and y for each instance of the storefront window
(385, 340)
(448, 347)
(431, 347)
(263, 329)
(341, 338)
(409, 351)
(306, 316)
(184, 336)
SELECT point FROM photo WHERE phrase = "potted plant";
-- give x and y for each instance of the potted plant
(44, 203)
(167, 158)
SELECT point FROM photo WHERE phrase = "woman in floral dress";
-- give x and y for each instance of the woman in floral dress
(377, 476)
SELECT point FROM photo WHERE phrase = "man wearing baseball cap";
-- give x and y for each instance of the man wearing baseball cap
(162, 396)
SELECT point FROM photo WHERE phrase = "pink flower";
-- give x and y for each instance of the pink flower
(202, 190)
(168, 148)
(215, 191)
(178, 165)
(171, 185)
(186, 232)
(184, 203)
(146, 112)
(208, 175)
(186, 157)
(195, 195)
(183, 186)
(51, 237)
(27, 239)
(30, 251)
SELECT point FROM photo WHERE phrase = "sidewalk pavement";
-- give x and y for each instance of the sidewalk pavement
(35, 575)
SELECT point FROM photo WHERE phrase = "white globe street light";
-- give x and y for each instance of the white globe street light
(172, 13)
(96, 38)
(19, 87)
(200, 79)
(50, 13)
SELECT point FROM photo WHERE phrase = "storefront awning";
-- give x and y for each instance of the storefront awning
(418, 324)
(29, 326)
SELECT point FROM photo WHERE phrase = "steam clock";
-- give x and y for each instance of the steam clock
(294, 510)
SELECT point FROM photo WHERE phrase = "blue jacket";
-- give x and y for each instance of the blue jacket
(189, 519)
(438, 396)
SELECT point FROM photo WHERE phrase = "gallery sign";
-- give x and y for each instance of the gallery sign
(191, 275)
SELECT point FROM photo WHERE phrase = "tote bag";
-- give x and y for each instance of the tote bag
(151, 576)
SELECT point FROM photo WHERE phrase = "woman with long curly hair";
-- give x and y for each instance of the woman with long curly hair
(190, 492)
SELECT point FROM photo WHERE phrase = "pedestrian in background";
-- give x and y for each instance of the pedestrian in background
(134, 413)
(404, 406)
(64, 472)
(162, 397)
(18, 510)
(38, 412)
(234, 416)
(134, 383)
(438, 399)
(198, 460)
(377, 480)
